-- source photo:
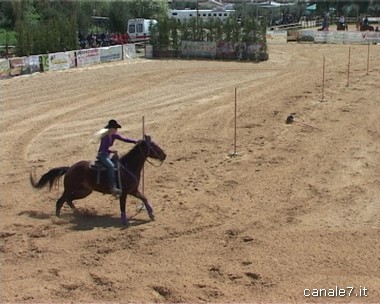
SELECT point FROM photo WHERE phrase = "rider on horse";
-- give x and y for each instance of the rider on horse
(342, 20)
(366, 21)
(325, 22)
(108, 136)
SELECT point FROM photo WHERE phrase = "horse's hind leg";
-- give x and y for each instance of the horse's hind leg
(78, 194)
(59, 204)
(72, 206)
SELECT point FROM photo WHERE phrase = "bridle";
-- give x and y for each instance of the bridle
(154, 165)
(147, 158)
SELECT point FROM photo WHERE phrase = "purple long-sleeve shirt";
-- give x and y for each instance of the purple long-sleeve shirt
(107, 141)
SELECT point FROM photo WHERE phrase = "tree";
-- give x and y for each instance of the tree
(7, 15)
(121, 11)
(119, 14)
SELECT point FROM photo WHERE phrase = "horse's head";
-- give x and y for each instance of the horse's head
(143, 149)
(153, 150)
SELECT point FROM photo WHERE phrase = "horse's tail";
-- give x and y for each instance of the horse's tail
(50, 177)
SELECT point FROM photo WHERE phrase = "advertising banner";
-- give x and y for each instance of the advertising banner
(306, 35)
(4, 68)
(129, 51)
(16, 66)
(44, 60)
(323, 37)
(32, 64)
(88, 56)
(198, 49)
(149, 51)
(275, 37)
(112, 53)
(225, 50)
(346, 37)
(371, 37)
(61, 61)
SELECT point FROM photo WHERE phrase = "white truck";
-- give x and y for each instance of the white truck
(138, 29)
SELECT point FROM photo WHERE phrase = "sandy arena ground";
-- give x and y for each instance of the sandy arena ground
(297, 208)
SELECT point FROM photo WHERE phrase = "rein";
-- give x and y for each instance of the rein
(121, 166)
(161, 162)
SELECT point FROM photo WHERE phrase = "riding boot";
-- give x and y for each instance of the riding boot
(115, 191)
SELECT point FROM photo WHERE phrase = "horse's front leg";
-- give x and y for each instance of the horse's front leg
(123, 202)
(148, 207)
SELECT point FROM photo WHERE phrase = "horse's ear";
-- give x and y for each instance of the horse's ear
(147, 138)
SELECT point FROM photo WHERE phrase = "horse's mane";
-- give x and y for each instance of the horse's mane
(131, 154)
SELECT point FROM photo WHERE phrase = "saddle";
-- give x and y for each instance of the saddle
(98, 166)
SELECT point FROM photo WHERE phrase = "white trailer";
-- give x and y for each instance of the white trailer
(138, 29)
(205, 15)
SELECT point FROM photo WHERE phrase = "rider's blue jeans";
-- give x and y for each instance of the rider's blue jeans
(104, 158)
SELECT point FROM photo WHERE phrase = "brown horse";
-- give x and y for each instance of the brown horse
(366, 27)
(80, 179)
(341, 27)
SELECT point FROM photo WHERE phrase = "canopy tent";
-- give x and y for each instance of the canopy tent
(312, 7)
(273, 4)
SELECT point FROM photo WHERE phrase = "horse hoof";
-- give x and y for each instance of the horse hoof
(151, 216)
(124, 219)
(125, 222)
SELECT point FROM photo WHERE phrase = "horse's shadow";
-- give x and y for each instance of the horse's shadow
(84, 220)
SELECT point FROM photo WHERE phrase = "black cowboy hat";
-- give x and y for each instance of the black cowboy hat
(112, 124)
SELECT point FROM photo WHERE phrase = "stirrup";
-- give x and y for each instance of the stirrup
(116, 191)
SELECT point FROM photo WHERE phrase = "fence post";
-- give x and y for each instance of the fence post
(349, 63)
(235, 153)
(142, 173)
(235, 121)
(323, 79)
(368, 60)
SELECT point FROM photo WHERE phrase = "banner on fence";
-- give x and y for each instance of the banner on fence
(225, 50)
(306, 35)
(31, 64)
(198, 49)
(149, 51)
(371, 37)
(274, 37)
(44, 61)
(61, 61)
(336, 37)
(241, 51)
(4, 67)
(88, 56)
(64, 60)
(129, 51)
(16, 66)
(112, 53)
(324, 37)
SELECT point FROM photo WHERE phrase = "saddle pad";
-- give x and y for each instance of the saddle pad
(97, 165)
